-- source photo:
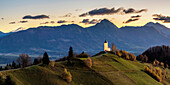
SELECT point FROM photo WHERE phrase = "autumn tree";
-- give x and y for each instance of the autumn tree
(88, 62)
(24, 60)
(113, 48)
(67, 75)
(45, 59)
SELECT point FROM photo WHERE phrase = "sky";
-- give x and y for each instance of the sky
(33, 13)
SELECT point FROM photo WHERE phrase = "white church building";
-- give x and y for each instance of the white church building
(106, 48)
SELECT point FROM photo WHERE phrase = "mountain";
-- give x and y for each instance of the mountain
(3, 34)
(57, 39)
(107, 69)
(161, 28)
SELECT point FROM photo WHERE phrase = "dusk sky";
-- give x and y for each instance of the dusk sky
(32, 13)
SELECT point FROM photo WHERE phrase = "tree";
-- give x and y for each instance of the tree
(1, 69)
(70, 53)
(24, 60)
(8, 81)
(83, 55)
(36, 61)
(88, 62)
(67, 75)
(113, 48)
(13, 65)
(45, 59)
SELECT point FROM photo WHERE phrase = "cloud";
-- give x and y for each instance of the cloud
(112, 11)
(52, 22)
(44, 23)
(137, 16)
(102, 11)
(12, 23)
(62, 21)
(23, 21)
(131, 10)
(131, 20)
(160, 17)
(35, 17)
(68, 15)
(93, 21)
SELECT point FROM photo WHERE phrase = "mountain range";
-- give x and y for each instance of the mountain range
(57, 39)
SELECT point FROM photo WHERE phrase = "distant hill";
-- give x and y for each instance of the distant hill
(160, 53)
(108, 69)
(3, 34)
(56, 40)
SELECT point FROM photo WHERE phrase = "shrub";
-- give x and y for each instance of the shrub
(24, 60)
(88, 62)
(52, 63)
(162, 64)
(83, 55)
(67, 75)
(156, 73)
(8, 81)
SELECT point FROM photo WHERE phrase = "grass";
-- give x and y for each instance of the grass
(107, 69)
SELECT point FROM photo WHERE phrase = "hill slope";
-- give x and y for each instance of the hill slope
(108, 69)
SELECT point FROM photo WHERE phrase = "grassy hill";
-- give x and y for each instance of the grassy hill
(107, 69)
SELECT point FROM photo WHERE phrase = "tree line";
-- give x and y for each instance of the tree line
(24, 60)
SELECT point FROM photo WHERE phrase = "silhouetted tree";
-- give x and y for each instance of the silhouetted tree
(8, 81)
(24, 60)
(45, 59)
(1, 69)
(83, 55)
(13, 65)
(70, 53)
(70, 56)
(36, 61)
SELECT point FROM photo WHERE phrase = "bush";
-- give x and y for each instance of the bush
(24, 60)
(52, 63)
(8, 81)
(88, 62)
(156, 73)
(142, 58)
(67, 76)
(83, 55)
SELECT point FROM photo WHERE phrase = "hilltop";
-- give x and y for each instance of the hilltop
(107, 69)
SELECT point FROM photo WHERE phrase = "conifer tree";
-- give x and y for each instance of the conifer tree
(45, 59)
(13, 64)
(70, 53)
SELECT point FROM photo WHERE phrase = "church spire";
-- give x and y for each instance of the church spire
(105, 41)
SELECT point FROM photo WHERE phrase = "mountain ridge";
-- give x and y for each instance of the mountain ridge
(56, 39)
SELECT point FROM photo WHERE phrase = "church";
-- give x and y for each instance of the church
(106, 48)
